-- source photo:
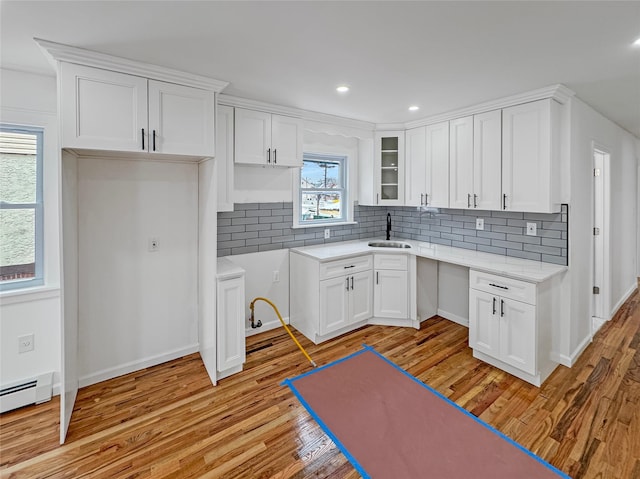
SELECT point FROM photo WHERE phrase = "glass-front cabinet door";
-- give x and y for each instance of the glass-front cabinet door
(389, 167)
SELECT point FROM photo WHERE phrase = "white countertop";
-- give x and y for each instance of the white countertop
(518, 268)
(227, 269)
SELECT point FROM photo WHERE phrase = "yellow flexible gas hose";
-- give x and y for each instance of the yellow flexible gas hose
(251, 307)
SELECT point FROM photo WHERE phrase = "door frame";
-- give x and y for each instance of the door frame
(603, 214)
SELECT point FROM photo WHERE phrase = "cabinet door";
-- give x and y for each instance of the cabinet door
(361, 296)
(438, 165)
(334, 304)
(181, 119)
(484, 322)
(286, 141)
(526, 156)
(415, 167)
(389, 163)
(230, 323)
(102, 110)
(518, 334)
(224, 157)
(391, 294)
(487, 160)
(461, 163)
(252, 136)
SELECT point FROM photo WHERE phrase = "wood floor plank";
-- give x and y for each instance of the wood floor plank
(169, 422)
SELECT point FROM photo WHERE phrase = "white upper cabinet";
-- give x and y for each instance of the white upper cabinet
(224, 157)
(389, 168)
(487, 160)
(266, 139)
(530, 157)
(461, 193)
(102, 110)
(181, 119)
(427, 172)
(437, 164)
(416, 166)
(106, 110)
(475, 161)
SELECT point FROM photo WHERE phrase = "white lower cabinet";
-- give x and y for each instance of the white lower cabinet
(391, 288)
(230, 334)
(330, 298)
(509, 325)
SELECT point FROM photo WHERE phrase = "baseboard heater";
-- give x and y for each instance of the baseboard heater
(25, 392)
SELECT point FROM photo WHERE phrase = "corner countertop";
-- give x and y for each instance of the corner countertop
(517, 268)
(227, 269)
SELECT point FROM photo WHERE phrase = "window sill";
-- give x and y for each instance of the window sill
(26, 295)
(324, 225)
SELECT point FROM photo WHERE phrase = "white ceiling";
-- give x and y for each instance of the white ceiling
(438, 55)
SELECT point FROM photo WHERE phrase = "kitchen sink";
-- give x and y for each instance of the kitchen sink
(389, 244)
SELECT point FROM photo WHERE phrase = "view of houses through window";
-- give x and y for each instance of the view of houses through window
(20, 207)
(322, 189)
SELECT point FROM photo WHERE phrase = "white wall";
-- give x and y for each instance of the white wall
(29, 99)
(136, 307)
(587, 127)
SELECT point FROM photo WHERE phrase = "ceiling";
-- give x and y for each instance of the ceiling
(440, 56)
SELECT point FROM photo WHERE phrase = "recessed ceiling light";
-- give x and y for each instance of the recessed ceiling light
(636, 43)
(414, 108)
(342, 89)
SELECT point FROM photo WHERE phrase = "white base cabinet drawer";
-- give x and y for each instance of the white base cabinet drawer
(332, 269)
(505, 287)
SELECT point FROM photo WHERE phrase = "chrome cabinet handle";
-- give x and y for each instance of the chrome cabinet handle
(347, 283)
(421, 199)
(475, 200)
(468, 200)
(426, 199)
(377, 277)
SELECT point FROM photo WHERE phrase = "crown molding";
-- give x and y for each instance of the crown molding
(557, 92)
(57, 52)
(234, 101)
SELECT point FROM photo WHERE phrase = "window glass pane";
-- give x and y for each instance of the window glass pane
(321, 206)
(18, 167)
(17, 243)
(321, 174)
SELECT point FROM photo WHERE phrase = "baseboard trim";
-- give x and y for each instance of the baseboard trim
(624, 299)
(132, 366)
(569, 361)
(453, 317)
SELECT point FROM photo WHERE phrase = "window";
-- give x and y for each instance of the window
(21, 212)
(323, 192)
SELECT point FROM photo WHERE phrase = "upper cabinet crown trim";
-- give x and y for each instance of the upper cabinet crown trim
(57, 52)
(558, 92)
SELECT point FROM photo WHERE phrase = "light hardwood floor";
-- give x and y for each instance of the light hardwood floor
(168, 421)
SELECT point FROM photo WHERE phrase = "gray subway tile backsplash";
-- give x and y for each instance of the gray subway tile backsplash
(254, 227)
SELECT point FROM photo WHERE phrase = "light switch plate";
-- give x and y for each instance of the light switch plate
(479, 223)
(532, 229)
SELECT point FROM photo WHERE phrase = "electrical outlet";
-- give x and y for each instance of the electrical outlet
(532, 229)
(154, 244)
(327, 233)
(276, 276)
(479, 223)
(25, 343)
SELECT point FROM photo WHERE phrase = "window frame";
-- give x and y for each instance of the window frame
(343, 190)
(38, 207)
